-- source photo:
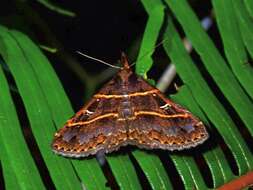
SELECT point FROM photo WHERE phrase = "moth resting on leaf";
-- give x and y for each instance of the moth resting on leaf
(128, 111)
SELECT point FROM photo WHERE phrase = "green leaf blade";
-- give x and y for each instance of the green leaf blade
(155, 11)
(153, 169)
(15, 153)
(57, 99)
(189, 172)
(215, 158)
(213, 62)
(233, 43)
(210, 105)
(124, 172)
(245, 25)
(37, 111)
(249, 6)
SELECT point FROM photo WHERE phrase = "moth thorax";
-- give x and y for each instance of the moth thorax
(126, 109)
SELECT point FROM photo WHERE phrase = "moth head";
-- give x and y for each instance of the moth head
(124, 62)
(125, 70)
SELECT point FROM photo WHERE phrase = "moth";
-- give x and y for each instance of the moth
(128, 111)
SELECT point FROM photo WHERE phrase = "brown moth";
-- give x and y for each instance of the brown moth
(128, 111)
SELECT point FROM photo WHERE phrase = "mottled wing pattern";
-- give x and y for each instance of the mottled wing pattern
(127, 110)
(94, 128)
(161, 124)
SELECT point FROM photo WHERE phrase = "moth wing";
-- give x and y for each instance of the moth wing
(94, 128)
(161, 123)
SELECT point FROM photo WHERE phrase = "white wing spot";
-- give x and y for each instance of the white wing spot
(165, 106)
(89, 112)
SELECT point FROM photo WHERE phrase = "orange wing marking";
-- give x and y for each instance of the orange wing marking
(155, 114)
(94, 119)
(160, 115)
(126, 95)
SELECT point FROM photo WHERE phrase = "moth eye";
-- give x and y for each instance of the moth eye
(154, 94)
(97, 99)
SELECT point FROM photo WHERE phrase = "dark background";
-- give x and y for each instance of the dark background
(102, 29)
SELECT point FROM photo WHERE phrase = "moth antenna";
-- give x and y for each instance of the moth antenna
(159, 44)
(98, 60)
